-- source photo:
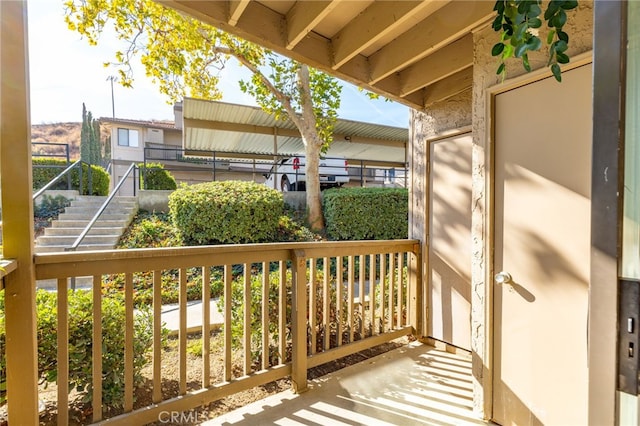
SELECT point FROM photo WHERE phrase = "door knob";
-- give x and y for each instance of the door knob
(503, 278)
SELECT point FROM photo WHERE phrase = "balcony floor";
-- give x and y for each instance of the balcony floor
(413, 385)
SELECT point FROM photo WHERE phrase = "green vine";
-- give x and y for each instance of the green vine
(519, 22)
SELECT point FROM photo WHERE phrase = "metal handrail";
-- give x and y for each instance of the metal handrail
(101, 210)
(56, 179)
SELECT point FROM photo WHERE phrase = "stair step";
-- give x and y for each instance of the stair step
(102, 199)
(101, 223)
(88, 217)
(92, 211)
(49, 240)
(101, 202)
(106, 230)
(82, 247)
(85, 283)
(104, 234)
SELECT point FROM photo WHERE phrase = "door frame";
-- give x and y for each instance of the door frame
(487, 310)
(454, 133)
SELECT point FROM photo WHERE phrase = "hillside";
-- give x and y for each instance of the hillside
(62, 133)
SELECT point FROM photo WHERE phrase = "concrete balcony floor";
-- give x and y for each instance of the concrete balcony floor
(416, 384)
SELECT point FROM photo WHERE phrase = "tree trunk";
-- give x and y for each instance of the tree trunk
(314, 205)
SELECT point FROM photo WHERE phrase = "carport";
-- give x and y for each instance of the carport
(239, 132)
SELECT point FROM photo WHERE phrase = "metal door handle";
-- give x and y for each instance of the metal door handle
(503, 278)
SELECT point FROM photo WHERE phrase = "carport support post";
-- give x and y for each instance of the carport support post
(214, 166)
(299, 322)
(275, 157)
(17, 215)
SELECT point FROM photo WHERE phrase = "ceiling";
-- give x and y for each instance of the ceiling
(414, 52)
(224, 127)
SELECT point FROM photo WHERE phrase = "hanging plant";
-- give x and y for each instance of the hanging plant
(519, 23)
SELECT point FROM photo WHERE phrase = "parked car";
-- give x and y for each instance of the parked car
(289, 173)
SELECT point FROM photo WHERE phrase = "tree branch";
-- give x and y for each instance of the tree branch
(282, 98)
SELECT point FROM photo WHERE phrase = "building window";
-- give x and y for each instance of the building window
(128, 137)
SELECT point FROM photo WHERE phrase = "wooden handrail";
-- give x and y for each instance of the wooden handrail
(382, 287)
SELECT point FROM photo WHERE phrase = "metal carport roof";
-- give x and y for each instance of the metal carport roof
(224, 127)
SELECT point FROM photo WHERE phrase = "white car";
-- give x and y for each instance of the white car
(289, 174)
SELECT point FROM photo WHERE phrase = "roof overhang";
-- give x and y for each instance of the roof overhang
(414, 52)
(248, 131)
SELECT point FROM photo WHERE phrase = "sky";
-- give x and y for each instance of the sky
(66, 71)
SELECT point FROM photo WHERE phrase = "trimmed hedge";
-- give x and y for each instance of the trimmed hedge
(229, 212)
(366, 213)
(154, 176)
(80, 343)
(43, 175)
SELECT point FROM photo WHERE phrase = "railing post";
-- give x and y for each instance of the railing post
(417, 318)
(299, 322)
(17, 215)
(68, 163)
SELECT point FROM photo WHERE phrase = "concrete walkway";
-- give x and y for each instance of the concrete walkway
(171, 316)
(170, 313)
(413, 385)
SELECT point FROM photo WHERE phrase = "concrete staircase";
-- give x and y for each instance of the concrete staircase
(103, 235)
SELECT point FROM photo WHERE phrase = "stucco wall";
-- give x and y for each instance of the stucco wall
(443, 117)
(469, 108)
(580, 29)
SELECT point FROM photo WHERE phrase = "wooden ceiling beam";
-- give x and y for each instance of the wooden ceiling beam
(436, 31)
(443, 63)
(268, 28)
(303, 17)
(375, 22)
(236, 9)
(259, 24)
(448, 87)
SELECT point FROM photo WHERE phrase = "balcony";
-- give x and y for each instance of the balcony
(414, 384)
(321, 301)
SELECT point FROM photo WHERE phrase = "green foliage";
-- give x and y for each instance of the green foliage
(281, 95)
(290, 230)
(90, 148)
(150, 230)
(230, 212)
(80, 343)
(50, 206)
(366, 213)
(46, 169)
(169, 285)
(238, 306)
(518, 22)
(154, 176)
(184, 56)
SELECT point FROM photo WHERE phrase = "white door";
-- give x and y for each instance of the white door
(450, 241)
(542, 239)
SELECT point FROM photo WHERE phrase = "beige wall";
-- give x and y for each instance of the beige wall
(173, 137)
(469, 108)
(126, 153)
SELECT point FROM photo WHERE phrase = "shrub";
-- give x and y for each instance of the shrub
(226, 212)
(154, 176)
(50, 206)
(46, 169)
(149, 230)
(366, 213)
(80, 343)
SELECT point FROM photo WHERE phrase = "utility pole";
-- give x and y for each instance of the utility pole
(113, 105)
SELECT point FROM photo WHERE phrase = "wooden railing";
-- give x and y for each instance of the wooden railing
(321, 301)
